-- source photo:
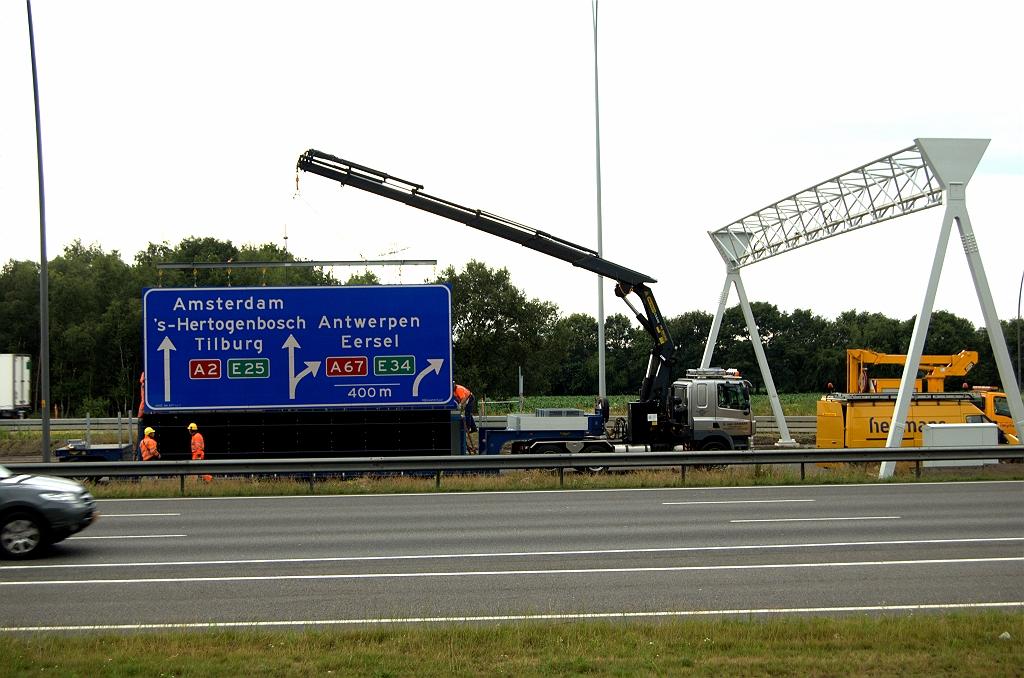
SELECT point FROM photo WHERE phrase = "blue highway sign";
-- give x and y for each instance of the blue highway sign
(230, 348)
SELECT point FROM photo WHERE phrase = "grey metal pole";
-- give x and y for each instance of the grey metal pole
(44, 274)
(1019, 293)
(601, 382)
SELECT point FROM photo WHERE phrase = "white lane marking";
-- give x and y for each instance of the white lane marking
(738, 501)
(445, 495)
(514, 554)
(499, 573)
(135, 536)
(137, 515)
(512, 617)
(811, 520)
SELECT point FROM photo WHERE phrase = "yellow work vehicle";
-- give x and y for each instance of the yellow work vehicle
(935, 367)
(864, 419)
(862, 416)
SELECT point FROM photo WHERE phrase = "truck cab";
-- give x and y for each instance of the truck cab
(714, 404)
(710, 411)
(996, 407)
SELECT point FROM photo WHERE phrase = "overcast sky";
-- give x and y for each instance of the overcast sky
(162, 120)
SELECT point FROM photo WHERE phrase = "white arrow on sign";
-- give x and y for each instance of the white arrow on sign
(166, 346)
(293, 379)
(434, 365)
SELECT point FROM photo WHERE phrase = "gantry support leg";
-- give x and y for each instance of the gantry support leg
(732, 277)
(953, 161)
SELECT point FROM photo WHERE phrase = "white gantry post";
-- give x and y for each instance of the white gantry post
(953, 162)
(887, 188)
(732, 277)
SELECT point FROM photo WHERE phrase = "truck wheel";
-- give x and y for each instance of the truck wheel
(711, 446)
(22, 535)
(592, 449)
(548, 449)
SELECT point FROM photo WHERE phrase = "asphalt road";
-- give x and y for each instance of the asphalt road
(299, 561)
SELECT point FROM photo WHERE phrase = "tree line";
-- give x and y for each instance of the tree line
(96, 329)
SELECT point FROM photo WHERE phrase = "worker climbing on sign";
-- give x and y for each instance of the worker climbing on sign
(142, 393)
(198, 448)
(147, 446)
(464, 397)
(466, 400)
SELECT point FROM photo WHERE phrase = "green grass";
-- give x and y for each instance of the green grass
(908, 646)
(793, 404)
(532, 403)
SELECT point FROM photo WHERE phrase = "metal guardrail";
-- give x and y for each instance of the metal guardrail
(68, 424)
(508, 461)
(796, 425)
(765, 424)
(805, 425)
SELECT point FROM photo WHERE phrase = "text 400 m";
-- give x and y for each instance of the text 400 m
(367, 392)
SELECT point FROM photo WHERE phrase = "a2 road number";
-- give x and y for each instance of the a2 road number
(208, 368)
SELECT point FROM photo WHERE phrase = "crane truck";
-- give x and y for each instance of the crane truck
(708, 409)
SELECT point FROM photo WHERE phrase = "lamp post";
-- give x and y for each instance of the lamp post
(44, 275)
(601, 383)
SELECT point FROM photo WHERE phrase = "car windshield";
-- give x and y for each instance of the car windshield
(4, 473)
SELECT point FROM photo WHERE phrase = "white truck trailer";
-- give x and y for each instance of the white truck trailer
(15, 385)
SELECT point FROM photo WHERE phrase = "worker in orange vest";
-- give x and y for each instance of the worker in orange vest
(466, 399)
(198, 448)
(147, 446)
(142, 393)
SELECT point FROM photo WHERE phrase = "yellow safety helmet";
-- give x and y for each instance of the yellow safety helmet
(192, 427)
(149, 431)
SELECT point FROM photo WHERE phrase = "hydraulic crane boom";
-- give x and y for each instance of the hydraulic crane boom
(658, 379)
(935, 367)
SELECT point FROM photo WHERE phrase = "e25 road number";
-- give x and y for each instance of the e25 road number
(248, 368)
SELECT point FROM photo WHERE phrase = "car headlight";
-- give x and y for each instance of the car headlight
(69, 497)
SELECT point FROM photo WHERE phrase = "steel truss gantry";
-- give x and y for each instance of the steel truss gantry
(890, 187)
(929, 173)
